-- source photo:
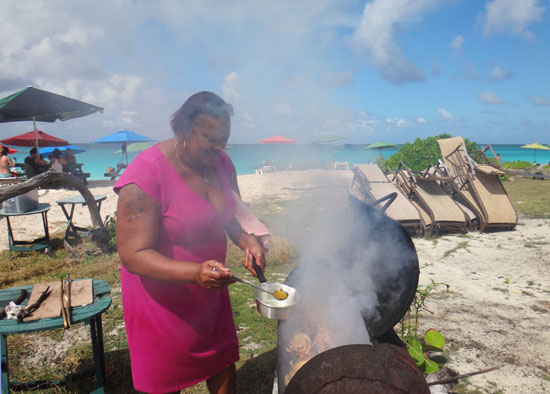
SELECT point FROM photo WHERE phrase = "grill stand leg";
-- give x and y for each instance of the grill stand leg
(5, 378)
(96, 331)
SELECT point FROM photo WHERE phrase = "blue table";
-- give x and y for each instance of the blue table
(28, 246)
(73, 230)
(88, 314)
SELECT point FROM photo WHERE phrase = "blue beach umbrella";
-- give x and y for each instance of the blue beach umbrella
(49, 149)
(124, 137)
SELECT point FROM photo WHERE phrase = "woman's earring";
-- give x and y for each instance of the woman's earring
(183, 144)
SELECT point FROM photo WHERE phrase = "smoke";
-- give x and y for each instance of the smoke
(350, 266)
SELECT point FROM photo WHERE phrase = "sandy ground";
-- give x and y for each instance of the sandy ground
(30, 227)
(496, 311)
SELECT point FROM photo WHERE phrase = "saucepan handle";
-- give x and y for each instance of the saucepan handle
(258, 270)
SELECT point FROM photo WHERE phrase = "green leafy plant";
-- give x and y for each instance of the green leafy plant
(110, 225)
(433, 340)
(422, 152)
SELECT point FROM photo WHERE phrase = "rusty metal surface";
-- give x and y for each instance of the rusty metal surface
(355, 369)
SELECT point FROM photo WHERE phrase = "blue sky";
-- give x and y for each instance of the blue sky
(390, 70)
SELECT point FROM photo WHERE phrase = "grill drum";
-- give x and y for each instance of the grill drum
(359, 369)
(354, 366)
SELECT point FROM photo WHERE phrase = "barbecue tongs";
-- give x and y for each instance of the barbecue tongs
(66, 302)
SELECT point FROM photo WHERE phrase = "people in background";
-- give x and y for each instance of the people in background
(34, 164)
(70, 160)
(5, 163)
(55, 163)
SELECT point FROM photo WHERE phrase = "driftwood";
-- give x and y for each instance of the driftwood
(454, 379)
(99, 234)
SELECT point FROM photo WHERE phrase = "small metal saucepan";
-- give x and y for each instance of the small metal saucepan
(268, 305)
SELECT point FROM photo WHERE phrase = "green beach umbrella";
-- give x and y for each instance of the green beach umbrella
(535, 146)
(380, 145)
(42, 106)
(328, 138)
(136, 147)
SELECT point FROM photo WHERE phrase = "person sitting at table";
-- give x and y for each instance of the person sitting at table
(59, 158)
(70, 161)
(54, 163)
(5, 163)
(34, 164)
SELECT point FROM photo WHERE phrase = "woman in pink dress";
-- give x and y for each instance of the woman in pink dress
(175, 208)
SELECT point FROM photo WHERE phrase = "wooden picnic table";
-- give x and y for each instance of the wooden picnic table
(28, 246)
(73, 230)
(88, 314)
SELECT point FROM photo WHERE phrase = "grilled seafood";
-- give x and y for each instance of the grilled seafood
(300, 345)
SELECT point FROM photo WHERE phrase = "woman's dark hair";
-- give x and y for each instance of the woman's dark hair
(5, 151)
(206, 103)
(56, 153)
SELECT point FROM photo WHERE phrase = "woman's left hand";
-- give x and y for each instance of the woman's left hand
(253, 249)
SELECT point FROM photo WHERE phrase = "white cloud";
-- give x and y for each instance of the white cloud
(375, 33)
(230, 92)
(490, 98)
(540, 101)
(457, 43)
(498, 74)
(512, 16)
(446, 115)
(421, 120)
(397, 122)
(127, 117)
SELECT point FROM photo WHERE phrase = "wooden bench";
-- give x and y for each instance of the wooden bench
(115, 174)
(80, 174)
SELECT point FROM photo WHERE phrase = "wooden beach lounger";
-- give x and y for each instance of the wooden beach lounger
(432, 201)
(479, 184)
(441, 177)
(373, 187)
(426, 220)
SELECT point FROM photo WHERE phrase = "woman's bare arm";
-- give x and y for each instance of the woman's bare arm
(137, 232)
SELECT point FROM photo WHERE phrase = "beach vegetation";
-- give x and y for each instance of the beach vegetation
(422, 153)
(518, 164)
(421, 348)
(533, 194)
(461, 245)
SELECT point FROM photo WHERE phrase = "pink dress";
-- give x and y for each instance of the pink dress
(179, 334)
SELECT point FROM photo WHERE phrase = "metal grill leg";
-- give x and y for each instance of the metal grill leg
(4, 381)
(96, 331)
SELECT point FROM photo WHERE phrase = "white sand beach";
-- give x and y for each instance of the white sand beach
(496, 311)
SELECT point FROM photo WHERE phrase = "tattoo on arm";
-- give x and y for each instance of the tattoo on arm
(134, 204)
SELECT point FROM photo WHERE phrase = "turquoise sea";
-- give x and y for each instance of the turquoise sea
(248, 158)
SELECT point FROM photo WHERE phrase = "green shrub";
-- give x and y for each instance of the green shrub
(517, 164)
(421, 153)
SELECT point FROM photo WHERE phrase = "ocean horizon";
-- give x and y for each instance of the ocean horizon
(248, 157)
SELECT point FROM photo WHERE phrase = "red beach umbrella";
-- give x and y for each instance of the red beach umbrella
(11, 151)
(29, 139)
(277, 139)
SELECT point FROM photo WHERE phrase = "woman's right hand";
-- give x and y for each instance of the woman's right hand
(213, 275)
